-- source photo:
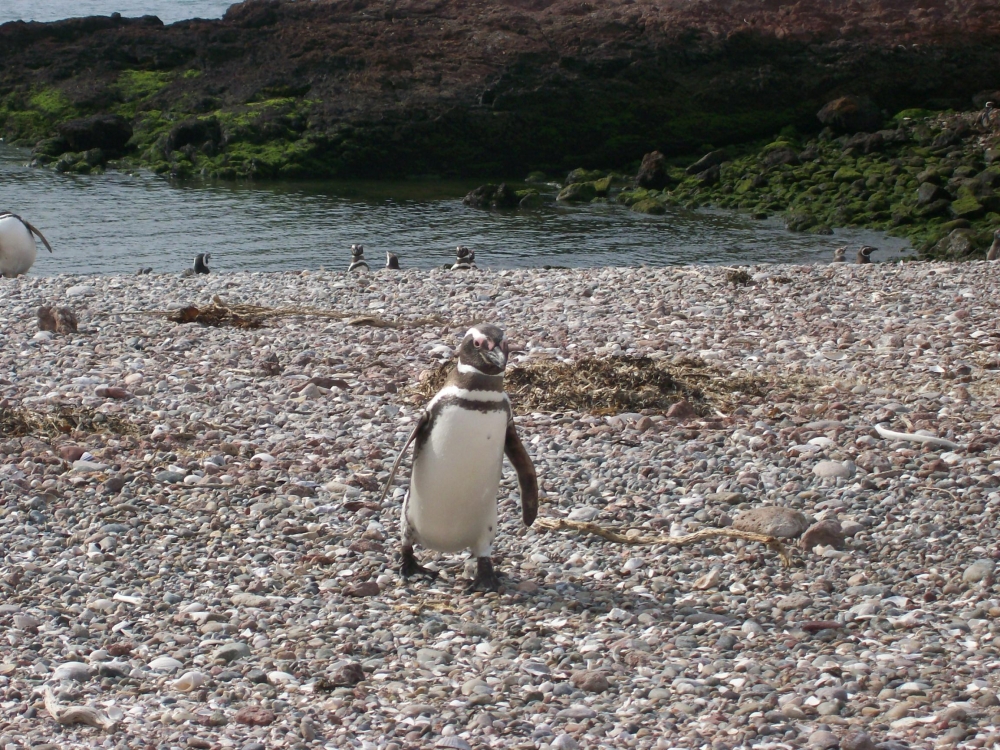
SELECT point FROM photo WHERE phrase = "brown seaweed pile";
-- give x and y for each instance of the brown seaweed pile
(216, 315)
(63, 421)
(615, 385)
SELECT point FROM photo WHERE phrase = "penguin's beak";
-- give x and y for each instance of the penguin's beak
(496, 356)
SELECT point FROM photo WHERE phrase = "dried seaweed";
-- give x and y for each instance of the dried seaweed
(63, 421)
(738, 277)
(215, 315)
(236, 315)
(615, 385)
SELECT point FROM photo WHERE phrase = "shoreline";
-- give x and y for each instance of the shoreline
(230, 526)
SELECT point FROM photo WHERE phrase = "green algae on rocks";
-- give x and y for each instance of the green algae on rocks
(931, 177)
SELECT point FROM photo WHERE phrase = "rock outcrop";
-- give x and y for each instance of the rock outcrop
(382, 88)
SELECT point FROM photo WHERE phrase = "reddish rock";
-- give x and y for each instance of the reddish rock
(681, 410)
(255, 717)
(653, 173)
(348, 675)
(815, 626)
(112, 391)
(57, 319)
(366, 588)
(826, 532)
(591, 682)
(851, 114)
(71, 452)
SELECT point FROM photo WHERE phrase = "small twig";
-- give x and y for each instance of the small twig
(635, 537)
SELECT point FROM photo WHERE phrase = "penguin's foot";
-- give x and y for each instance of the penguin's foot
(486, 577)
(411, 567)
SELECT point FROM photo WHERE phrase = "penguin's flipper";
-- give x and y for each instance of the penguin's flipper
(527, 480)
(40, 236)
(422, 422)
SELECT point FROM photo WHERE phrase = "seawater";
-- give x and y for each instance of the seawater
(168, 11)
(117, 223)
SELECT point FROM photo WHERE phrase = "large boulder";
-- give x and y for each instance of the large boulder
(492, 196)
(578, 192)
(653, 174)
(851, 114)
(960, 243)
(110, 133)
(196, 132)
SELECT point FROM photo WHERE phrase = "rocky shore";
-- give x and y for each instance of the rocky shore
(191, 544)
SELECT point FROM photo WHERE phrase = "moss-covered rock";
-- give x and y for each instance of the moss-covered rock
(649, 206)
(578, 192)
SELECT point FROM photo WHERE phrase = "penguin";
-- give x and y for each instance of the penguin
(201, 262)
(465, 259)
(865, 254)
(458, 447)
(17, 245)
(838, 254)
(391, 261)
(994, 251)
(358, 261)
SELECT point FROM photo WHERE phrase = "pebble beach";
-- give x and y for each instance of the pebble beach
(193, 553)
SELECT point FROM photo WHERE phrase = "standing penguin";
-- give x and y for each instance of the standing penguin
(994, 251)
(458, 447)
(465, 259)
(391, 261)
(201, 262)
(865, 254)
(838, 254)
(358, 262)
(17, 245)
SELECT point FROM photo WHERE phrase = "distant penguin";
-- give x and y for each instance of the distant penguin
(465, 259)
(391, 261)
(201, 262)
(17, 245)
(865, 254)
(994, 253)
(458, 447)
(358, 262)
(838, 254)
(143, 271)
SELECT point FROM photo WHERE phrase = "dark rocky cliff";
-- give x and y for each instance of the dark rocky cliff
(389, 87)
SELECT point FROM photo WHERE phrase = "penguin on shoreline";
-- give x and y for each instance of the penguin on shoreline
(865, 253)
(838, 254)
(17, 245)
(358, 261)
(994, 251)
(458, 447)
(465, 259)
(201, 263)
(391, 261)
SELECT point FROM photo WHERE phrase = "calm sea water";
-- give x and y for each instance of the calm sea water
(115, 223)
(167, 10)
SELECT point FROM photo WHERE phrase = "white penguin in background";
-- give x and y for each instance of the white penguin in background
(458, 447)
(17, 245)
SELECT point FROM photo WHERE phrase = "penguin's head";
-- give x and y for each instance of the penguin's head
(485, 348)
(357, 251)
(463, 253)
(996, 234)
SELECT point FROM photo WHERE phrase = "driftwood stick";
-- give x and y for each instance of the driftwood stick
(76, 714)
(636, 537)
(914, 437)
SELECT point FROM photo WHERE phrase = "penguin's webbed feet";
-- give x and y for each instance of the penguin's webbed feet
(410, 566)
(486, 577)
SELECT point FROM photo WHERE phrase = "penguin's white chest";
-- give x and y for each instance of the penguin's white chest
(456, 474)
(17, 247)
